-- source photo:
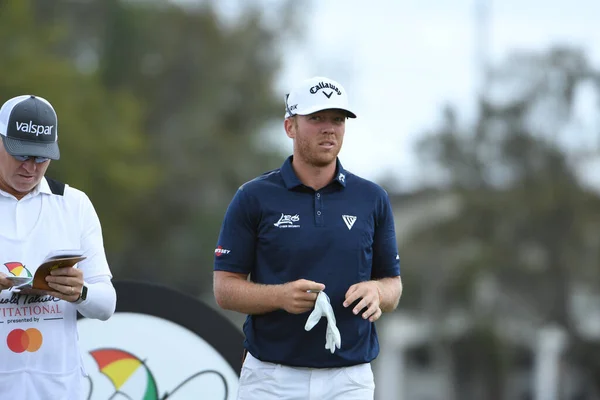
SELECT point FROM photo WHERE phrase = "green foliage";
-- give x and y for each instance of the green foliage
(160, 112)
(102, 145)
(207, 91)
(523, 243)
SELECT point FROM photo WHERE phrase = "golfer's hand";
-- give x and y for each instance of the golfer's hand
(296, 298)
(4, 283)
(368, 292)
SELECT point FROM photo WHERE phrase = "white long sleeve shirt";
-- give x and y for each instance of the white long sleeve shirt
(39, 352)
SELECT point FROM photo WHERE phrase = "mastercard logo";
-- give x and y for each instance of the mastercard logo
(20, 340)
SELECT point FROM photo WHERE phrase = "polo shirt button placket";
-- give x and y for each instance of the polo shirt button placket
(318, 205)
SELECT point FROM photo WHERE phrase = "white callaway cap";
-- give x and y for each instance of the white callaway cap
(317, 94)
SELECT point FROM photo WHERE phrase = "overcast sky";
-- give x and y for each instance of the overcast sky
(402, 60)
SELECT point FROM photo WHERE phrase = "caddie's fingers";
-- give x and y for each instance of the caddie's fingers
(58, 295)
(66, 271)
(59, 288)
(5, 283)
(64, 281)
(63, 296)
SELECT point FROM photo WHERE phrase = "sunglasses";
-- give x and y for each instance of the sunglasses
(37, 160)
(287, 107)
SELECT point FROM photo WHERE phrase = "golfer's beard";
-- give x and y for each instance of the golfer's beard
(314, 157)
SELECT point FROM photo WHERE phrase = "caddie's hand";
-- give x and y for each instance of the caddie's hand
(67, 283)
(4, 283)
(296, 296)
(368, 292)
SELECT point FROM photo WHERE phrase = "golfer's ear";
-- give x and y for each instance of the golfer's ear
(290, 128)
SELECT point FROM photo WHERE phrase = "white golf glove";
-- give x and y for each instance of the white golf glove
(323, 308)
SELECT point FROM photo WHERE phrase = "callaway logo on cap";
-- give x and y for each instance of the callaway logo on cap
(29, 127)
(317, 94)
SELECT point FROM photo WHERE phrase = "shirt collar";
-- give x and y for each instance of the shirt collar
(291, 181)
(341, 174)
(41, 187)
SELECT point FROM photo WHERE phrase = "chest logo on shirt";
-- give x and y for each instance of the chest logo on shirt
(17, 269)
(288, 221)
(349, 220)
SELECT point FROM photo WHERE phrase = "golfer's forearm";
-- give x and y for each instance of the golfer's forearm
(247, 297)
(390, 290)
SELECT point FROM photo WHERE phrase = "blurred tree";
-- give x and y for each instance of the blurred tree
(524, 245)
(206, 89)
(102, 146)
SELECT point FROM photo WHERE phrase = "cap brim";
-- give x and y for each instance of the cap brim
(16, 147)
(315, 109)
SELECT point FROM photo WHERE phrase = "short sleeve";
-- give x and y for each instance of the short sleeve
(237, 238)
(386, 260)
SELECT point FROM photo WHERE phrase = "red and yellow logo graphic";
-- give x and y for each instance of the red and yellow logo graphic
(119, 366)
(132, 378)
(20, 340)
(17, 269)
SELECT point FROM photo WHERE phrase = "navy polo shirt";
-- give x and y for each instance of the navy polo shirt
(278, 230)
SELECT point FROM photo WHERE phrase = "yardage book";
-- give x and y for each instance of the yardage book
(55, 259)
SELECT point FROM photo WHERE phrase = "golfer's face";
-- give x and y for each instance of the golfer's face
(319, 136)
(19, 177)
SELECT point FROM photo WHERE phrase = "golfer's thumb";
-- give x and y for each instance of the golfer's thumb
(316, 286)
